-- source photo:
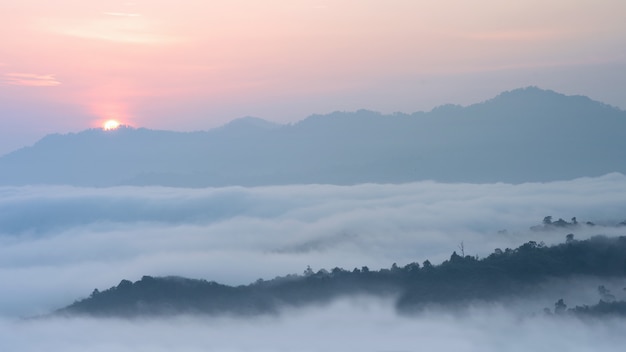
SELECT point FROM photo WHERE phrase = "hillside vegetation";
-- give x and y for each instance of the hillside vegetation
(458, 281)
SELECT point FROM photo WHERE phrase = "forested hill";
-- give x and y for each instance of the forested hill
(525, 135)
(460, 280)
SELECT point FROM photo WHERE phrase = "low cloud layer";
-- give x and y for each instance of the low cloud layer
(356, 325)
(59, 243)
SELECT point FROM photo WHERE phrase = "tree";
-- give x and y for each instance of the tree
(412, 267)
(547, 220)
(337, 271)
(308, 271)
(455, 257)
(569, 238)
(395, 268)
(560, 307)
(605, 294)
(560, 223)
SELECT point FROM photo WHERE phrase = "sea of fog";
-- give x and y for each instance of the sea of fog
(59, 243)
(348, 326)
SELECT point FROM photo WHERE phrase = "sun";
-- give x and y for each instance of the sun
(110, 125)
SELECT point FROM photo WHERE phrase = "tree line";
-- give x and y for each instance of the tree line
(457, 281)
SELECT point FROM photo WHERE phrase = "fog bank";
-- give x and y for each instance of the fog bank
(59, 243)
(350, 325)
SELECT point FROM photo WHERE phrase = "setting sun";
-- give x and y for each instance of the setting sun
(111, 125)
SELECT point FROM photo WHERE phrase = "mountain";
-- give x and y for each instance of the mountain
(524, 135)
(525, 272)
(247, 126)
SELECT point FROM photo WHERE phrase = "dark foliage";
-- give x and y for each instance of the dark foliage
(547, 225)
(606, 306)
(603, 308)
(454, 282)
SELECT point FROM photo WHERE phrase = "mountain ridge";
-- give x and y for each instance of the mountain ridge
(460, 281)
(523, 135)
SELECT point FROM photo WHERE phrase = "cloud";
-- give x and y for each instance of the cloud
(120, 27)
(355, 325)
(30, 80)
(59, 243)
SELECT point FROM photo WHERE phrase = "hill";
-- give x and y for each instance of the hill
(455, 282)
(525, 135)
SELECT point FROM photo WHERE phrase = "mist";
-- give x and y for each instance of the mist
(346, 325)
(59, 243)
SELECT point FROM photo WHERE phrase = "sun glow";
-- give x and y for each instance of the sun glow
(110, 125)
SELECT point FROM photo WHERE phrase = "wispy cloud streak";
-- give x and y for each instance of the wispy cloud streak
(30, 80)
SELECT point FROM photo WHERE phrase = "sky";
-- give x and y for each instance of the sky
(70, 65)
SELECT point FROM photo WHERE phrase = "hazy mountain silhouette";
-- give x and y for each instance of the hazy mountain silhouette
(522, 135)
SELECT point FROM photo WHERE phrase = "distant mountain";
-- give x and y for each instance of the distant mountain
(457, 282)
(524, 135)
(247, 125)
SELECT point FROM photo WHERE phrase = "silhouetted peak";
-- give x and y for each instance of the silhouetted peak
(529, 91)
(340, 116)
(446, 109)
(248, 124)
(528, 95)
(533, 95)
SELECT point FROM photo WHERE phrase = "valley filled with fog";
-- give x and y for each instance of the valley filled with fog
(58, 243)
(356, 325)
(312, 176)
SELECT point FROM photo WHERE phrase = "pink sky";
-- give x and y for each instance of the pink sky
(68, 65)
